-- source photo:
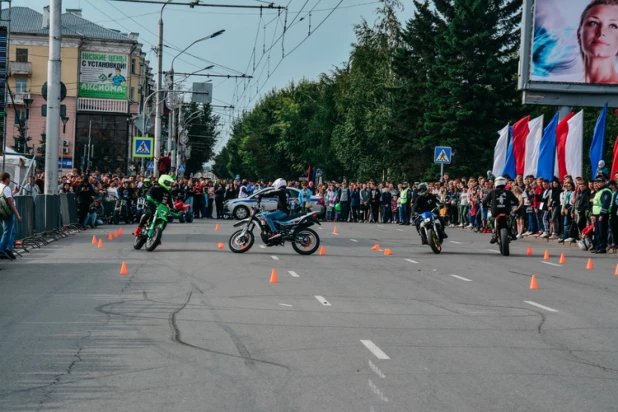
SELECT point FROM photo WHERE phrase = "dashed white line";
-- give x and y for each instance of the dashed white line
(529, 302)
(293, 274)
(411, 261)
(373, 348)
(399, 230)
(462, 278)
(457, 243)
(377, 370)
(491, 250)
(552, 264)
(262, 246)
(354, 240)
(286, 305)
(275, 257)
(322, 300)
(336, 234)
(380, 226)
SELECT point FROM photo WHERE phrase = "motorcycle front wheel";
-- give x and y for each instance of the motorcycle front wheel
(153, 241)
(240, 243)
(306, 242)
(434, 242)
(138, 242)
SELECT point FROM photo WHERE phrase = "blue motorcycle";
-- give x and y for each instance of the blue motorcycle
(430, 229)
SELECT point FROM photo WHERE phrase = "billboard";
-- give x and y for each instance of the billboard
(103, 75)
(575, 41)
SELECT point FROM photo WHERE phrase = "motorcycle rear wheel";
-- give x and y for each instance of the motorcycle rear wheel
(504, 241)
(306, 242)
(239, 243)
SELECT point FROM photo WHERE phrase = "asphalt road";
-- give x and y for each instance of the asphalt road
(194, 328)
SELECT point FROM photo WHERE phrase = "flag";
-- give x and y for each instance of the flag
(547, 151)
(598, 141)
(166, 110)
(575, 146)
(615, 162)
(500, 151)
(509, 166)
(533, 146)
(520, 132)
(562, 132)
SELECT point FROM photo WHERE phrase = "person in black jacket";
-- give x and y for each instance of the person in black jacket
(219, 195)
(502, 202)
(85, 195)
(426, 202)
(283, 208)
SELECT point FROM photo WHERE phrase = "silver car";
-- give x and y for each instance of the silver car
(240, 208)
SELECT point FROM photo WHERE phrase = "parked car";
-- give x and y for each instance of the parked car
(240, 208)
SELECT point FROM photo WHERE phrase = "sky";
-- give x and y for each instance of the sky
(278, 59)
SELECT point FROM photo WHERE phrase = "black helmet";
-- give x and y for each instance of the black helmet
(423, 188)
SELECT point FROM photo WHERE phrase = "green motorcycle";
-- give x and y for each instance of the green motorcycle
(151, 237)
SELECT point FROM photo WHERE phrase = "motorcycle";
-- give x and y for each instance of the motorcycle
(183, 212)
(430, 230)
(503, 232)
(151, 237)
(294, 228)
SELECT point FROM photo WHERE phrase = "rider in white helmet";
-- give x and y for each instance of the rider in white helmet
(502, 201)
(283, 208)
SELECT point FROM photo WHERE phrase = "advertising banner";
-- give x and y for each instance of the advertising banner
(575, 41)
(103, 75)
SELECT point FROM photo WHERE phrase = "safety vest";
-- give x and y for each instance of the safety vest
(404, 195)
(597, 207)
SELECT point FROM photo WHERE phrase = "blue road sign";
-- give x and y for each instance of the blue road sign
(442, 155)
(318, 172)
(182, 168)
(142, 147)
(150, 166)
(65, 163)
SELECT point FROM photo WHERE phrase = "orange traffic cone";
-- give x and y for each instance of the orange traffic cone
(376, 247)
(546, 257)
(115, 234)
(616, 272)
(529, 252)
(533, 285)
(110, 237)
(322, 251)
(94, 240)
(100, 246)
(120, 231)
(589, 266)
(273, 277)
(217, 227)
(220, 245)
(562, 260)
(335, 230)
(123, 269)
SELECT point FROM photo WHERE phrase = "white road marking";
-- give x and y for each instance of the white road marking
(491, 250)
(373, 348)
(377, 391)
(263, 247)
(377, 370)
(322, 300)
(354, 240)
(293, 274)
(462, 278)
(529, 302)
(336, 234)
(552, 264)
(380, 225)
(412, 261)
(321, 228)
(286, 305)
(275, 257)
(380, 250)
(399, 230)
(457, 243)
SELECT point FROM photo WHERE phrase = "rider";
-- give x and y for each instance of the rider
(502, 202)
(283, 209)
(426, 202)
(159, 193)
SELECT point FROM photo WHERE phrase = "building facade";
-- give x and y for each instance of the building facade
(105, 74)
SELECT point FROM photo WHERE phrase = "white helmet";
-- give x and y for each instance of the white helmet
(601, 163)
(500, 181)
(279, 183)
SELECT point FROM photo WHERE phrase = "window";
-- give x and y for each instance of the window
(22, 55)
(132, 94)
(133, 66)
(20, 115)
(21, 85)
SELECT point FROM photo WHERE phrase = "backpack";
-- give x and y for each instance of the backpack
(5, 209)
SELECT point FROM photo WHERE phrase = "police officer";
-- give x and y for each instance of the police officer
(600, 210)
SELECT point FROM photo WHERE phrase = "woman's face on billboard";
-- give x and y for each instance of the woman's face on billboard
(599, 32)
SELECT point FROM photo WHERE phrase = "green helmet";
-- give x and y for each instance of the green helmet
(166, 181)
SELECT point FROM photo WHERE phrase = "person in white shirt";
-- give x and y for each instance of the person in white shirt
(8, 222)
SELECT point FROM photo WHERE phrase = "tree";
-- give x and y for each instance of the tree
(202, 133)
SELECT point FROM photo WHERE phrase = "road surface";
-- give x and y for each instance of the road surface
(195, 328)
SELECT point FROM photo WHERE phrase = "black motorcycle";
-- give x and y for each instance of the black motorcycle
(504, 231)
(294, 228)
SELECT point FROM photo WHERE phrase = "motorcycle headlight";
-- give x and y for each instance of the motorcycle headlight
(428, 220)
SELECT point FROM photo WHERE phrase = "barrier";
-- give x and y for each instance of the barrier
(25, 207)
(39, 214)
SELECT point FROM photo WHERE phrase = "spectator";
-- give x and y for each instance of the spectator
(219, 197)
(165, 163)
(8, 214)
(30, 188)
(304, 198)
(355, 202)
(344, 200)
(85, 195)
(385, 199)
(365, 198)
(95, 212)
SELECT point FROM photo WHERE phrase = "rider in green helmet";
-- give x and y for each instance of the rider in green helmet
(159, 193)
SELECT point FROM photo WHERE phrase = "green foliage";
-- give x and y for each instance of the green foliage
(203, 135)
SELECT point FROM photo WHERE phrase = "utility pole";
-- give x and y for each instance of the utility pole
(158, 108)
(52, 123)
(170, 120)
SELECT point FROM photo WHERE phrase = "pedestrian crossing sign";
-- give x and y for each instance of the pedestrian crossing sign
(181, 168)
(142, 147)
(442, 155)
